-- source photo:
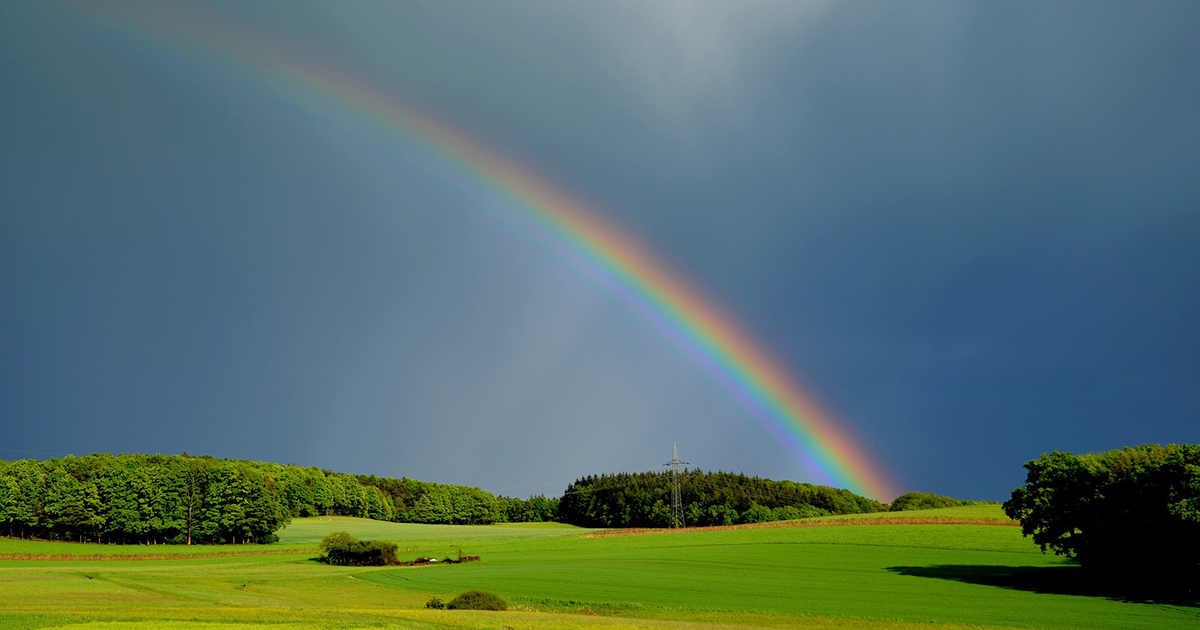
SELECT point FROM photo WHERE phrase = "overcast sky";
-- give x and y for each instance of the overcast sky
(971, 229)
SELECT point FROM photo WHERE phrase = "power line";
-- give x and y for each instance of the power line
(676, 502)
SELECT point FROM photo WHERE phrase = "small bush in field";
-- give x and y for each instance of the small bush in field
(477, 600)
(435, 602)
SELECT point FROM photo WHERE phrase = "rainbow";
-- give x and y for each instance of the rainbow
(696, 323)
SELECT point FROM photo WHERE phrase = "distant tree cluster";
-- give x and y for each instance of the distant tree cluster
(140, 499)
(536, 509)
(342, 549)
(929, 501)
(720, 498)
(186, 499)
(421, 502)
(1131, 514)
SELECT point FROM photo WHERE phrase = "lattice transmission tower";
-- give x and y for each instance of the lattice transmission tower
(676, 502)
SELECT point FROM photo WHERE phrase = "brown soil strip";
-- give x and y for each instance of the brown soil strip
(861, 521)
(148, 556)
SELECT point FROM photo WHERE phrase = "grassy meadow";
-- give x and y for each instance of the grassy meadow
(825, 576)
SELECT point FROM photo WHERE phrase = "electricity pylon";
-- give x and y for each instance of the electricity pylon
(676, 502)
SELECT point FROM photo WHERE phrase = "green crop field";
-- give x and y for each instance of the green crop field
(311, 530)
(878, 576)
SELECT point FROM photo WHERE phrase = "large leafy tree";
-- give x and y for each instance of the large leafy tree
(1132, 513)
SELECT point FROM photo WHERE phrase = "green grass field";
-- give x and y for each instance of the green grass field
(312, 530)
(893, 576)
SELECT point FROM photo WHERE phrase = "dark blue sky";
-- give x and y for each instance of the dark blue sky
(972, 229)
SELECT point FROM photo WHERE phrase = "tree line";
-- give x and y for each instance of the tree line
(185, 499)
(422, 502)
(708, 498)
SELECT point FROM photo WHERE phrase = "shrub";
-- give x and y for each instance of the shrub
(436, 603)
(336, 540)
(477, 600)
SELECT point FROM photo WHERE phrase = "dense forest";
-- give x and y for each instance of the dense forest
(186, 499)
(708, 498)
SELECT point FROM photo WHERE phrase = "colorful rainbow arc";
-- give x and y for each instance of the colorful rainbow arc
(707, 333)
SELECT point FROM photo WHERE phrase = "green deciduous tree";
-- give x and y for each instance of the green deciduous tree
(757, 514)
(1132, 513)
